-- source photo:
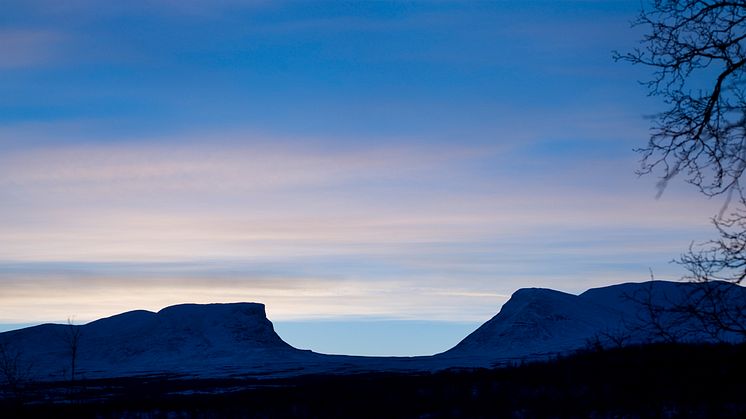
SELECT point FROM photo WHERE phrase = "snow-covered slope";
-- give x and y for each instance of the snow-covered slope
(539, 322)
(237, 339)
(680, 311)
(187, 338)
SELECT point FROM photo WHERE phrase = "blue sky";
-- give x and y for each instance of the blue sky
(400, 165)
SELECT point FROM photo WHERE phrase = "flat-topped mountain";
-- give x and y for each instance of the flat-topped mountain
(238, 339)
(213, 329)
(183, 338)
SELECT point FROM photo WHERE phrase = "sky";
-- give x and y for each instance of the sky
(381, 175)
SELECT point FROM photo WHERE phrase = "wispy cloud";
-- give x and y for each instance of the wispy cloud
(286, 298)
(87, 9)
(195, 200)
(402, 231)
(419, 160)
(26, 48)
(209, 166)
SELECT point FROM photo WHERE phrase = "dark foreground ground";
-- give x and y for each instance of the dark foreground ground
(653, 381)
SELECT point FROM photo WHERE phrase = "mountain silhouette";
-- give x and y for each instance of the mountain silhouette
(237, 339)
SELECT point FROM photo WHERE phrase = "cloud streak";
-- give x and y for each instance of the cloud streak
(286, 298)
(411, 161)
(394, 230)
(231, 167)
(29, 48)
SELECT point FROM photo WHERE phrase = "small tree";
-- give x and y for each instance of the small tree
(72, 341)
(14, 369)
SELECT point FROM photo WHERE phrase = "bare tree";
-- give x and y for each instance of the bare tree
(72, 341)
(617, 337)
(712, 312)
(657, 318)
(697, 50)
(14, 369)
(719, 308)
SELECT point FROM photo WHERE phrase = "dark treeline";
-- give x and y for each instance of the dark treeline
(701, 381)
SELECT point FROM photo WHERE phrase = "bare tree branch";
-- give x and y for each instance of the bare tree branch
(697, 51)
(698, 56)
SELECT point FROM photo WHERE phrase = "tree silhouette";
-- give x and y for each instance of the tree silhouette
(697, 50)
(14, 369)
(72, 341)
(720, 309)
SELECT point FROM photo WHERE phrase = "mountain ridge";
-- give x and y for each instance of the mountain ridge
(234, 339)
